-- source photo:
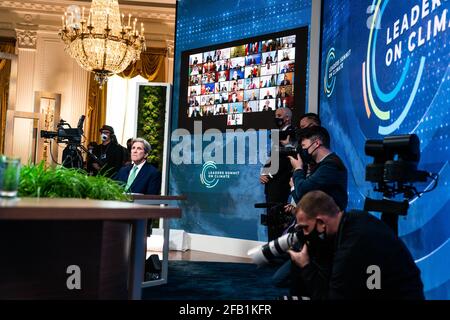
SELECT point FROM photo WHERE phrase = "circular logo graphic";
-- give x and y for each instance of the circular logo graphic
(329, 82)
(376, 101)
(209, 183)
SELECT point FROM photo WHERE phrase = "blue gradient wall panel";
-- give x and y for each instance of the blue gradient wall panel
(385, 71)
(227, 209)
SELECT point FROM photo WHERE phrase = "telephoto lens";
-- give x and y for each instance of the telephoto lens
(266, 253)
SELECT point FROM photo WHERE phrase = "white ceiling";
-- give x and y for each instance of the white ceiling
(158, 16)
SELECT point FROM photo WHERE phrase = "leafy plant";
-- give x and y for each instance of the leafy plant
(151, 112)
(39, 181)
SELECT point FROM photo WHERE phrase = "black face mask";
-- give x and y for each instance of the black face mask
(319, 244)
(279, 122)
(306, 156)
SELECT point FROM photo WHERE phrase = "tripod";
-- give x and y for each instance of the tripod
(72, 157)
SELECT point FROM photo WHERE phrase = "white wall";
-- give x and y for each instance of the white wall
(121, 111)
(47, 68)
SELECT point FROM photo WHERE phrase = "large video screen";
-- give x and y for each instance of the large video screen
(241, 84)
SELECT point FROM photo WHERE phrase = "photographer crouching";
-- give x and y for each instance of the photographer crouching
(368, 261)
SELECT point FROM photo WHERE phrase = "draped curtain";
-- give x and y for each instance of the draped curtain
(150, 66)
(6, 46)
(95, 110)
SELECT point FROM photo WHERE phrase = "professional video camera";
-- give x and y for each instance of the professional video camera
(394, 171)
(64, 133)
(268, 252)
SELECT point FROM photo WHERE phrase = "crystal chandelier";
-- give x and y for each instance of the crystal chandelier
(102, 44)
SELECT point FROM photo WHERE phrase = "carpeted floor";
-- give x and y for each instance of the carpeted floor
(189, 280)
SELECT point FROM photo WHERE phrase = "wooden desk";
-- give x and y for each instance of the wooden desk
(41, 238)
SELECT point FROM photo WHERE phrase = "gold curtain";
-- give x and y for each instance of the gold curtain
(7, 45)
(151, 66)
(95, 110)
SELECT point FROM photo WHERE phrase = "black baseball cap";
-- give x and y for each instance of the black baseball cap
(107, 128)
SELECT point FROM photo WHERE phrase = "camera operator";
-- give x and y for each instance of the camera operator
(329, 173)
(360, 244)
(276, 184)
(109, 153)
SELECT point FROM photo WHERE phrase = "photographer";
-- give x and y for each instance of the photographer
(109, 153)
(276, 184)
(329, 173)
(360, 244)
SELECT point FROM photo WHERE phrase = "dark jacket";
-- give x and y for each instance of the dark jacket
(277, 189)
(112, 158)
(329, 176)
(363, 240)
(147, 181)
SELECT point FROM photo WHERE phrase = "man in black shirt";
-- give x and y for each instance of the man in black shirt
(368, 261)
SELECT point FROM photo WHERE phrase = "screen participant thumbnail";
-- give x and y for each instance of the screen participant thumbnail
(286, 54)
(236, 107)
(252, 71)
(208, 56)
(267, 93)
(267, 105)
(238, 51)
(285, 79)
(251, 95)
(222, 54)
(195, 59)
(286, 42)
(269, 45)
(269, 57)
(252, 83)
(253, 59)
(251, 48)
(268, 69)
(268, 81)
(237, 73)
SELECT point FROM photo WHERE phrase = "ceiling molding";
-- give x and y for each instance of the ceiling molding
(141, 10)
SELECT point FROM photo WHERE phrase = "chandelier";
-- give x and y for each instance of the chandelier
(102, 43)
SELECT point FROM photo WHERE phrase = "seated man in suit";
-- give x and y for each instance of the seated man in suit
(140, 176)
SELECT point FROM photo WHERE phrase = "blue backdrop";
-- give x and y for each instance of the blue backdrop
(385, 70)
(225, 209)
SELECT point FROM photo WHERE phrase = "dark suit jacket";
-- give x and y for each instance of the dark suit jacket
(148, 180)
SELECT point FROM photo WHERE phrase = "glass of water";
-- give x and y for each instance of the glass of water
(9, 176)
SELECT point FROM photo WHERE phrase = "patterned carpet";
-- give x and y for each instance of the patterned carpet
(189, 280)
